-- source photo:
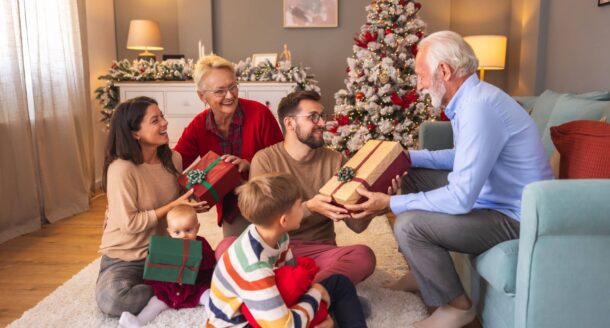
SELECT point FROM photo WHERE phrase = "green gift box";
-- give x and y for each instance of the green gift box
(173, 260)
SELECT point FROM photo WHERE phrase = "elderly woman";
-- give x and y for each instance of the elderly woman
(234, 127)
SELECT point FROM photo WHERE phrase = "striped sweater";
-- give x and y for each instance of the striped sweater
(244, 274)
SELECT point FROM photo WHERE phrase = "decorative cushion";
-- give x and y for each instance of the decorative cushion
(584, 147)
(543, 107)
(571, 108)
(498, 266)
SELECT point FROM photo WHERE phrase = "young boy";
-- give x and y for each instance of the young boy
(244, 273)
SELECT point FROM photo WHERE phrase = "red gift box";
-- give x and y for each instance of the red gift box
(211, 177)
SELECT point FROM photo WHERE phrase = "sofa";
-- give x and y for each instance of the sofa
(558, 273)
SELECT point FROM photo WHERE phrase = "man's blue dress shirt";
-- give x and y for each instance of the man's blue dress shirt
(497, 151)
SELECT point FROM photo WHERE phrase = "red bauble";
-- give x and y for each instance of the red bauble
(395, 121)
(388, 31)
(402, 2)
(114, 66)
(419, 34)
(371, 127)
(347, 70)
(332, 129)
(360, 74)
(342, 120)
(417, 5)
(347, 152)
(414, 50)
(444, 117)
(359, 95)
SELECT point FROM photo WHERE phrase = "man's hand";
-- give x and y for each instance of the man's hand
(322, 204)
(377, 203)
(242, 164)
(396, 182)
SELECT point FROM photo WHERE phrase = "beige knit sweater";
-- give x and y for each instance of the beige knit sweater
(134, 192)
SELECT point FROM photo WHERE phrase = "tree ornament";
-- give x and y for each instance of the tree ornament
(384, 77)
(370, 127)
(388, 31)
(359, 95)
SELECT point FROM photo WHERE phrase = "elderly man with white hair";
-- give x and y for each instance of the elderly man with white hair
(465, 199)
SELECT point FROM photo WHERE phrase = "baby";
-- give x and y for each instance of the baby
(181, 223)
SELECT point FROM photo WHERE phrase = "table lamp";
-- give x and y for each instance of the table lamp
(490, 50)
(144, 35)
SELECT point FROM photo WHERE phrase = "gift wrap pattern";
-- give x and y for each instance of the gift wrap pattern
(173, 260)
(372, 167)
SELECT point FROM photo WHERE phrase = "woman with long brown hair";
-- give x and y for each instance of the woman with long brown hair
(140, 179)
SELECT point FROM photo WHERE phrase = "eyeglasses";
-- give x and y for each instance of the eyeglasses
(222, 92)
(314, 117)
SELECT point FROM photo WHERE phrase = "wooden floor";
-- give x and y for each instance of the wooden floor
(32, 266)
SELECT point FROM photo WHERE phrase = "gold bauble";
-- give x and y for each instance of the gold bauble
(384, 77)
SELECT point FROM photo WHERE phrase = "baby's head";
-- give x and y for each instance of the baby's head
(272, 200)
(182, 222)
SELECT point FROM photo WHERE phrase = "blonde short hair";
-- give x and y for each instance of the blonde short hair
(205, 64)
(265, 198)
(181, 211)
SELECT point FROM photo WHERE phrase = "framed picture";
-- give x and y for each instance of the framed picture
(312, 13)
(603, 2)
(258, 59)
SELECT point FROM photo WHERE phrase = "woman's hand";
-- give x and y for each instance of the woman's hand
(242, 164)
(322, 205)
(200, 207)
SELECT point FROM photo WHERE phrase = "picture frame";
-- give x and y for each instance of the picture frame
(258, 59)
(312, 13)
(603, 2)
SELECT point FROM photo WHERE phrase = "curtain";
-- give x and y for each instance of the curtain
(19, 202)
(63, 122)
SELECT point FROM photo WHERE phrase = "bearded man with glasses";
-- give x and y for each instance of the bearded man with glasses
(303, 155)
(233, 127)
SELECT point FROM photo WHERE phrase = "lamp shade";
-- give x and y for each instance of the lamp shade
(489, 49)
(144, 35)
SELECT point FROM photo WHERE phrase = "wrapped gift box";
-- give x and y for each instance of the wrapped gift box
(372, 167)
(173, 260)
(211, 178)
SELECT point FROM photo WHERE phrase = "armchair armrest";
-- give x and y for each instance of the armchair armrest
(434, 135)
(562, 270)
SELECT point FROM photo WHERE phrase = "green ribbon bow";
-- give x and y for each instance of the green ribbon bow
(198, 176)
(346, 174)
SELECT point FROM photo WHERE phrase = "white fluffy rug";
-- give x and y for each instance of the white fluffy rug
(73, 303)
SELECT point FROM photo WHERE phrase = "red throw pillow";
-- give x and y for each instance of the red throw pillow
(293, 282)
(585, 149)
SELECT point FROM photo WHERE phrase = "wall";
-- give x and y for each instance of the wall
(101, 52)
(577, 48)
(325, 50)
(475, 17)
(183, 23)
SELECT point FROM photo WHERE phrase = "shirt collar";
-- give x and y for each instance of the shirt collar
(238, 119)
(470, 83)
(267, 251)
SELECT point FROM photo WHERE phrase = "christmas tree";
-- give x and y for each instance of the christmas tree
(380, 100)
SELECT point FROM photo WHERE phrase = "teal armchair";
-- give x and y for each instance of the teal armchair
(558, 273)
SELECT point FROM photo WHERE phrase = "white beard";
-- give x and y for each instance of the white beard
(436, 92)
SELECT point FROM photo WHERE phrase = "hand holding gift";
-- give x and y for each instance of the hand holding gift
(375, 169)
(211, 178)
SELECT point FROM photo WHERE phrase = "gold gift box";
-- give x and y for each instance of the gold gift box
(374, 166)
